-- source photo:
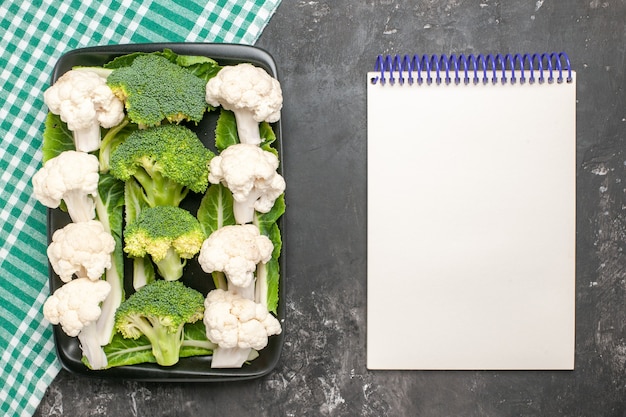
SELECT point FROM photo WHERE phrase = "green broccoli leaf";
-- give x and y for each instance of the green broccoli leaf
(57, 137)
(134, 200)
(123, 61)
(265, 221)
(225, 130)
(121, 351)
(273, 275)
(195, 342)
(268, 226)
(267, 137)
(216, 209)
(111, 194)
(200, 66)
(226, 133)
(111, 140)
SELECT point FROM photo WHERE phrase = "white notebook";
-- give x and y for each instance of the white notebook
(471, 213)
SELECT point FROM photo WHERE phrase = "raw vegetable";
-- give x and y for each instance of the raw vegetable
(201, 66)
(250, 174)
(236, 251)
(249, 92)
(237, 325)
(82, 248)
(169, 235)
(167, 161)
(110, 213)
(159, 311)
(155, 90)
(268, 274)
(76, 307)
(122, 200)
(111, 140)
(57, 138)
(124, 352)
(226, 133)
(84, 101)
(71, 178)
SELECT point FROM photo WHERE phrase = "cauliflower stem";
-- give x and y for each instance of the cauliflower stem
(247, 127)
(243, 208)
(230, 357)
(109, 211)
(91, 346)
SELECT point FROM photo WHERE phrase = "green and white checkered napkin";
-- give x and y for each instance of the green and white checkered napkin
(34, 34)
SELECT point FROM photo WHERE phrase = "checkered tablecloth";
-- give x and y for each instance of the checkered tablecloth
(34, 34)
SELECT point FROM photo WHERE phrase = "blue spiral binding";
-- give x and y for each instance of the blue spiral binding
(472, 68)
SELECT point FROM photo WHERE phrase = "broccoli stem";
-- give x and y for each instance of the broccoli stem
(171, 267)
(143, 272)
(158, 190)
(165, 345)
(108, 143)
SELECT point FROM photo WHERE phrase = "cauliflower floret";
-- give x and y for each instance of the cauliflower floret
(236, 250)
(76, 307)
(72, 177)
(76, 304)
(249, 172)
(251, 94)
(85, 102)
(83, 249)
(237, 325)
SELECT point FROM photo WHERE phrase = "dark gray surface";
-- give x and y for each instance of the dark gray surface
(323, 49)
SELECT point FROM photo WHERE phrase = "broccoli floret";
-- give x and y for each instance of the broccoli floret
(155, 89)
(170, 235)
(160, 311)
(167, 161)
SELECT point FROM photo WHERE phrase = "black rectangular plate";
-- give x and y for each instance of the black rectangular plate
(196, 368)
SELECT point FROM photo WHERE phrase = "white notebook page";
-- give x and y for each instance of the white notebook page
(471, 226)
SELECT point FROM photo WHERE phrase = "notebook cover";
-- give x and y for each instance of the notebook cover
(471, 226)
